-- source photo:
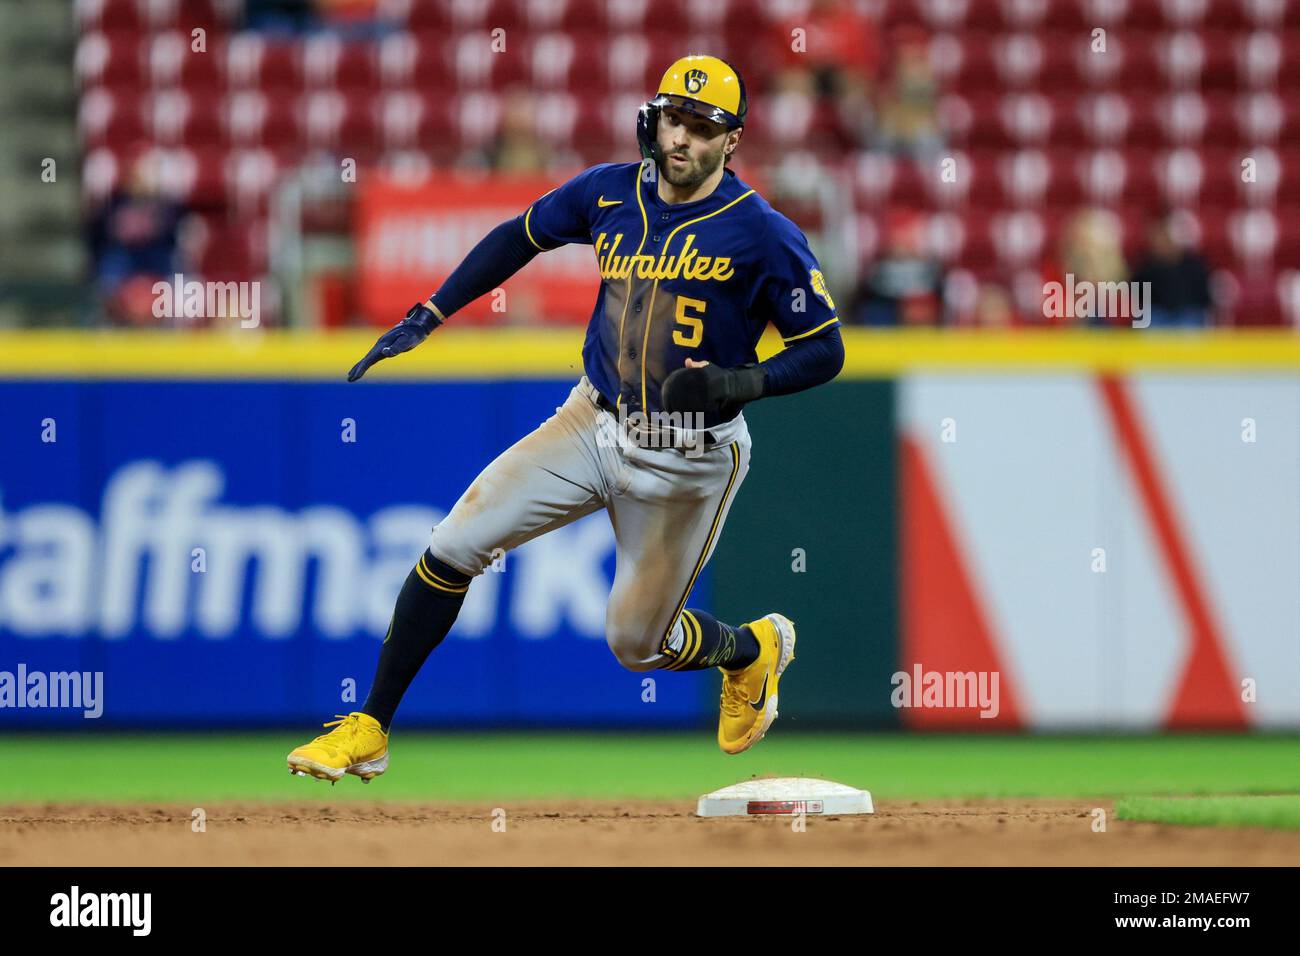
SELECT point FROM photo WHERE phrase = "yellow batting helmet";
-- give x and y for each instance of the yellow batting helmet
(703, 85)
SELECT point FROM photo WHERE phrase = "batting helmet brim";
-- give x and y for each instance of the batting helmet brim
(704, 110)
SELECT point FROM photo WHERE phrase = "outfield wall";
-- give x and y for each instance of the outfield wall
(1078, 513)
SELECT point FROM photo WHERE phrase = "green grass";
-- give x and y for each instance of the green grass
(1277, 812)
(545, 765)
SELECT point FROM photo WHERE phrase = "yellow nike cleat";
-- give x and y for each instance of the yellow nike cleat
(357, 744)
(749, 695)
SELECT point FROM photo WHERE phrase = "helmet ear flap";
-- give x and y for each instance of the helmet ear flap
(647, 132)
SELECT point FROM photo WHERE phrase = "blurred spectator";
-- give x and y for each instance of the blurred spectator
(516, 147)
(1090, 250)
(831, 53)
(354, 19)
(994, 307)
(905, 286)
(279, 16)
(134, 240)
(1179, 277)
(908, 115)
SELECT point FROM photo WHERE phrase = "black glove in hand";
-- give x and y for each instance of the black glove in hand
(709, 388)
(402, 337)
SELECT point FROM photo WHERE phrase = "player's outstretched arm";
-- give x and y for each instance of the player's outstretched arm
(405, 335)
(499, 255)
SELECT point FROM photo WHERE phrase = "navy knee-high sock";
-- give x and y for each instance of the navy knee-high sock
(704, 641)
(425, 611)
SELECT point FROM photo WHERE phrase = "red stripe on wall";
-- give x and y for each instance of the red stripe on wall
(944, 626)
(1207, 696)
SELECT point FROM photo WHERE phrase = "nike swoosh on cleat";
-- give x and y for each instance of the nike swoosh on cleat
(762, 697)
(602, 202)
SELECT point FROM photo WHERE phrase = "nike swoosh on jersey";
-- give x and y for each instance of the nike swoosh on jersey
(602, 202)
(762, 697)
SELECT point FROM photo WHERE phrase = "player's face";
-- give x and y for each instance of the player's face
(693, 147)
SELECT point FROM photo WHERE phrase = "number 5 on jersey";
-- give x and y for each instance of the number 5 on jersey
(695, 323)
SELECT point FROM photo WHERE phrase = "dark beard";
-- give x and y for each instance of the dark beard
(692, 176)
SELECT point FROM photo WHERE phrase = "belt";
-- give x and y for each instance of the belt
(649, 437)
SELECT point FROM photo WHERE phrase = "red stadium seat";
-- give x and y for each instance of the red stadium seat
(485, 16)
(1264, 14)
(184, 15)
(1026, 118)
(325, 61)
(1108, 68)
(556, 117)
(956, 115)
(233, 250)
(585, 17)
(1253, 236)
(1024, 14)
(1083, 17)
(422, 15)
(629, 64)
(407, 119)
(321, 117)
(1258, 59)
(178, 118)
(109, 59)
(1019, 236)
(1288, 241)
(171, 60)
(1289, 74)
(1018, 60)
(109, 121)
(476, 116)
(970, 65)
(1022, 178)
(253, 62)
(1181, 116)
(472, 61)
(1263, 117)
(108, 15)
(554, 60)
(253, 119)
(250, 175)
(401, 58)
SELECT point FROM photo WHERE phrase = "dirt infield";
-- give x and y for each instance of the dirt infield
(995, 832)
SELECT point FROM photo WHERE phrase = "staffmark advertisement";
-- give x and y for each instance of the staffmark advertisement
(194, 553)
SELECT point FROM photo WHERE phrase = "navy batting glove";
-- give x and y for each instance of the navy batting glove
(710, 388)
(402, 337)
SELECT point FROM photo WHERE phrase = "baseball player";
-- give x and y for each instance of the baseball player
(694, 264)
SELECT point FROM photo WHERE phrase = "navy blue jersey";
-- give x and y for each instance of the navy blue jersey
(696, 280)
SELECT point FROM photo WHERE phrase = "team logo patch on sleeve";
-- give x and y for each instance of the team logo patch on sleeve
(819, 286)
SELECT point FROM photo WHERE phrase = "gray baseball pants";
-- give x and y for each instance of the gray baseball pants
(667, 509)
